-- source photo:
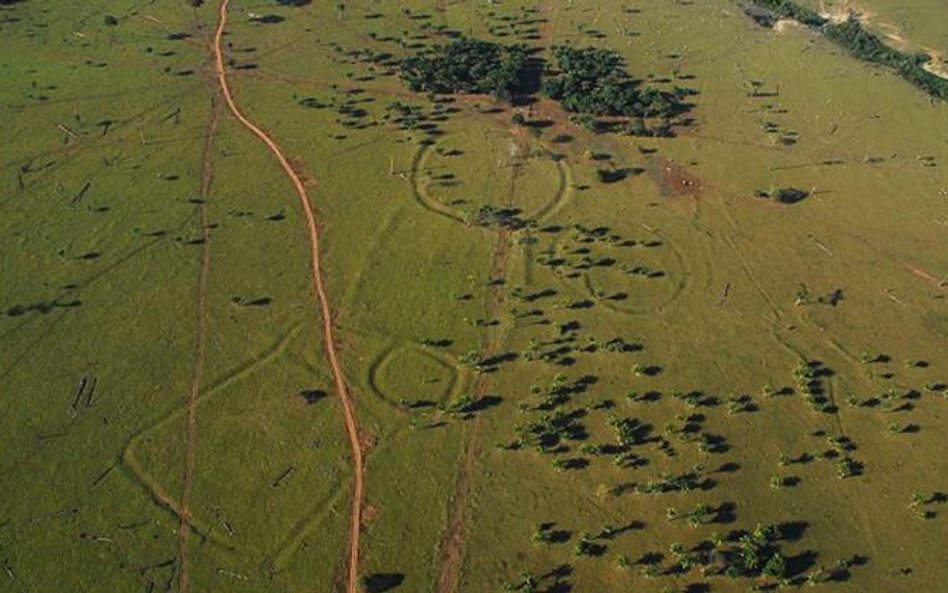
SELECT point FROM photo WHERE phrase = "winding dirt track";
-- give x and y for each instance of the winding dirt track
(352, 426)
(197, 371)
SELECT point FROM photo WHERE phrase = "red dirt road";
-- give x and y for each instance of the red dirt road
(352, 426)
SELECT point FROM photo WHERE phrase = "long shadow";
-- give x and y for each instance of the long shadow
(792, 531)
(801, 563)
(531, 80)
(382, 582)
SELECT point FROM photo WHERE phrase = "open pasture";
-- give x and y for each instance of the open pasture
(582, 357)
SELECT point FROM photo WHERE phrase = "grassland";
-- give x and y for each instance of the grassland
(916, 23)
(155, 266)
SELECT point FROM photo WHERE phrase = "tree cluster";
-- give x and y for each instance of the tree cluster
(468, 66)
(593, 81)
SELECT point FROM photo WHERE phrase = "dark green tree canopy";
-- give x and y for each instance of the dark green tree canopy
(589, 81)
(468, 66)
(791, 10)
(593, 81)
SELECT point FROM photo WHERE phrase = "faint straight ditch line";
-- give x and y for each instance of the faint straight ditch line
(197, 370)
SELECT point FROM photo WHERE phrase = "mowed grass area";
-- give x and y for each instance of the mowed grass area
(700, 280)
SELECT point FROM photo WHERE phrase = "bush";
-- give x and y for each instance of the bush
(784, 195)
(637, 127)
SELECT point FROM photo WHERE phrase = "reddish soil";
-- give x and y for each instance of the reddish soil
(675, 180)
(322, 302)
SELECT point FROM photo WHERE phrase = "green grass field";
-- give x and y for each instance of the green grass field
(919, 22)
(150, 244)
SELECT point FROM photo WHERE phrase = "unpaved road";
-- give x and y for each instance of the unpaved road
(351, 421)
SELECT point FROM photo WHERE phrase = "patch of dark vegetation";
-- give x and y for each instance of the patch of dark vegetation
(593, 81)
(42, 307)
(756, 554)
(311, 396)
(254, 302)
(761, 16)
(638, 127)
(784, 9)
(381, 582)
(494, 217)
(588, 82)
(555, 581)
(468, 66)
(267, 19)
(550, 431)
(685, 482)
(616, 175)
(812, 377)
(466, 406)
(783, 195)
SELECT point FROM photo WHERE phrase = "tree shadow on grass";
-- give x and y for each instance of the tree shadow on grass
(382, 582)
(311, 396)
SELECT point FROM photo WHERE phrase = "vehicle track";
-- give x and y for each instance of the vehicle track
(200, 341)
(352, 427)
(452, 545)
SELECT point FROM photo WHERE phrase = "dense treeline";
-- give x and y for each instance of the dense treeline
(468, 66)
(791, 10)
(869, 47)
(862, 44)
(593, 81)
